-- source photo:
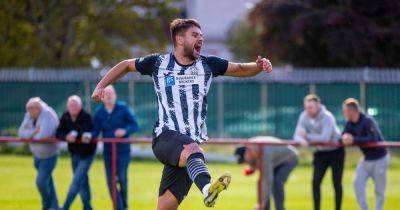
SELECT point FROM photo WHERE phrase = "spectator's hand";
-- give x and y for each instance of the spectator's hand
(120, 132)
(347, 139)
(36, 131)
(264, 64)
(71, 136)
(304, 143)
(98, 94)
(86, 137)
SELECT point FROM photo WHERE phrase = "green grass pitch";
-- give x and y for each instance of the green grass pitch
(18, 191)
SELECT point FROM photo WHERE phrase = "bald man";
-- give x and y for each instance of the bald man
(114, 119)
(75, 128)
(40, 122)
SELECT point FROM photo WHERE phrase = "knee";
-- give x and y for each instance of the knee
(188, 150)
(316, 182)
(41, 182)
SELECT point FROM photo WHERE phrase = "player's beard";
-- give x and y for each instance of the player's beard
(188, 51)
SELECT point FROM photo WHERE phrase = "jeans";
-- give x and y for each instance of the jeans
(322, 161)
(281, 174)
(44, 181)
(122, 177)
(80, 181)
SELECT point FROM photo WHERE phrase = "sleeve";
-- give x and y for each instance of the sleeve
(146, 65)
(25, 129)
(217, 65)
(96, 125)
(328, 126)
(371, 131)
(346, 128)
(48, 127)
(62, 131)
(131, 121)
(300, 127)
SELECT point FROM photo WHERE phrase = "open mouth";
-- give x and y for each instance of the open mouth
(197, 47)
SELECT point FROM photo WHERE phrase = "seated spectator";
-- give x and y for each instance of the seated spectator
(114, 119)
(40, 122)
(75, 128)
(360, 129)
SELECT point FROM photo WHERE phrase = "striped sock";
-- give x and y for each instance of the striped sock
(197, 170)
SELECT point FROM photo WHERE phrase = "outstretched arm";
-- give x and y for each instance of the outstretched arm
(249, 69)
(112, 75)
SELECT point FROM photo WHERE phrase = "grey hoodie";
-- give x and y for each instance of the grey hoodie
(48, 123)
(322, 128)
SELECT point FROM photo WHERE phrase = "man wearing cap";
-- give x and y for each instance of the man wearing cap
(40, 122)
(278, 163)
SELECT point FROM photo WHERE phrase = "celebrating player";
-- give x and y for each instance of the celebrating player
(181, 81)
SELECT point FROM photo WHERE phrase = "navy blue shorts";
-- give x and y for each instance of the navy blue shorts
(167, 148)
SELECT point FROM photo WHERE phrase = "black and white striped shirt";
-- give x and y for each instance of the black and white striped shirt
(182, 91)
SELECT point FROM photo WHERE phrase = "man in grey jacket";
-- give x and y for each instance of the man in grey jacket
(317, 125)
(41, 122)
(278, 163)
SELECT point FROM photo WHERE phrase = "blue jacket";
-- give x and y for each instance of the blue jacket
(106, 123)
(366, 130)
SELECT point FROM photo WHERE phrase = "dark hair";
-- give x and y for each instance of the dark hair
(239, 154)
(352, 103)
(180, 26)
(312, 97)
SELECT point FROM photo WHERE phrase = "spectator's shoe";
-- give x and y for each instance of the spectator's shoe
(220, 184)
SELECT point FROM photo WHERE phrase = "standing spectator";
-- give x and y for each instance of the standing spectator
(278, 163)
(40, 122)
(361, 129)
(75, 128)
(114, 119)
(317, 125)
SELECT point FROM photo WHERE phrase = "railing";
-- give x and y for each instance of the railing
(214, 141)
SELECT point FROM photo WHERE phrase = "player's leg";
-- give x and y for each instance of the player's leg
(175, 185)
(360, 181)
(193, 158)
(320, 167)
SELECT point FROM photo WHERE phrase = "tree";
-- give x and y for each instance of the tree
(329, 33)
(69, 33)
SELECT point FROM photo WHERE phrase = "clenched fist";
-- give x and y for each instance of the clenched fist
(264, 64)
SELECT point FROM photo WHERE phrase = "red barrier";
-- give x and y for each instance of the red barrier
(216, 141)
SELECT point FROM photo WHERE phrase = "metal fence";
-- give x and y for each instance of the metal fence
(263, 105)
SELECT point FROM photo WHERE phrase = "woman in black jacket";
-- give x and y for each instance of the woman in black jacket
(75, 128)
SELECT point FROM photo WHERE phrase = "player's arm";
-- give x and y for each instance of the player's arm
(248, 69)
(112, 75)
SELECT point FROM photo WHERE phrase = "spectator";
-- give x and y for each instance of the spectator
(75, 128)
(278, 163)
(361, 129)
(40, 122)
(114, 119)
(317, 125)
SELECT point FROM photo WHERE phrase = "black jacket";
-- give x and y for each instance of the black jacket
(366, 130)
(83, 123)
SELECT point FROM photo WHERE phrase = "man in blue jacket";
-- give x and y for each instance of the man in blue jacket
(361, 129)
(114, 119)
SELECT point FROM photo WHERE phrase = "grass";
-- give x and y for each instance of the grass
(18, 191)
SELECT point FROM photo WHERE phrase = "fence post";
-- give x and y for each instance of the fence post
(87, 92)
(114, 174)
(260, 178)
(131, 91)
(312, 88)
(220, 108)
(264, 105)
